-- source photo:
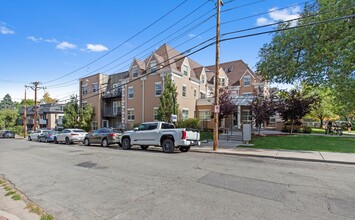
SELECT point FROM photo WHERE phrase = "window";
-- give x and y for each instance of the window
(153, 66)
(158, 89)
(114, 108)
(167, 126)
(202, 95)
(134, 71)
(94, 125)
(222, 81)
(95, 88)
(246, 80)
(184, 91)
(185, 114)
(155, 114)
(203, 78)
(104, 123)
(186, 69)
(152, 126)
(130, 114)
(84, 88)
(204, 115)
(84, 104)
(246, 116)
(130, 92)
(195, 92)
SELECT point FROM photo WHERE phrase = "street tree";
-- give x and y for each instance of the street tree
(8, 118)
(48, 99)
(321, 54)
(262, 109)
(226, 104)
(29, 102)
(294, 105)
(168, 103)
(7, 103)
(76, 117)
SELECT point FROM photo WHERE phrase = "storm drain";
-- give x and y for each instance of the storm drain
(86, 164)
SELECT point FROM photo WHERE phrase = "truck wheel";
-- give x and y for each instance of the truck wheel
(184, 149)
(168, 146)
(86, 142)
(144, 147)
(126, 144)
(104, 142)
(67, 141)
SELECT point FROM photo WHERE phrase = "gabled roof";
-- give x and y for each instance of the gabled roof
(235, 70)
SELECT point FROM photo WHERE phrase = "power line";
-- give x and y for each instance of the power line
(115, 48)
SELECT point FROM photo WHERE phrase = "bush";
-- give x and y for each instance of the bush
(306, 130)
(18, 129)
(189, 123)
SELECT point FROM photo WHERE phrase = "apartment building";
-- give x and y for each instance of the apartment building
(128, 98)
(48, 116)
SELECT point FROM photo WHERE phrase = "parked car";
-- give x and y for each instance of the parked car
(8, 134)
(36, 134)
(70, 136)
(161, 134)
(48, 136)
(104, 136)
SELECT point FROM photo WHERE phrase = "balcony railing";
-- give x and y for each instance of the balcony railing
(111, 112)
(112, 93)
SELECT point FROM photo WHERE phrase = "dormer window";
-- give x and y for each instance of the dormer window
(134, 71)
(222, 81)
(247, 80)
(186, 69)
(153, 66)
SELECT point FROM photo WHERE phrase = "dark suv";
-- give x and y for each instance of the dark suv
(8, 134)
(104, 136)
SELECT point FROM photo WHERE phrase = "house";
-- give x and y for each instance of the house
(128, 98)
(48, 116)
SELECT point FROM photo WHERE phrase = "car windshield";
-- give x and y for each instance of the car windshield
(117, 130)
(79, 130)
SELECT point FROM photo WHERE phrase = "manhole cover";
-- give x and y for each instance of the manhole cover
(86, 164)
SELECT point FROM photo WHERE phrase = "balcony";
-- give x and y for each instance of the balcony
(43, 121)
(111, 112)
(113, 93)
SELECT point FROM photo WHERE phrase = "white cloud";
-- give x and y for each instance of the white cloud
(4, 29)
(276, 15)
(191, 35)
(40, 39)
(66, 45)
(96, 47)
(34, 39)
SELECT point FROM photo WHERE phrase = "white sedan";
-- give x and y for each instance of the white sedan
(70, 136)
(35, 135)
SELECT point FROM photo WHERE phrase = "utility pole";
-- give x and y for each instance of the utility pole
(35, 88)
(216, 86)
(24, 117)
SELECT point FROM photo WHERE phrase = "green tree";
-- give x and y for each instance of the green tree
(48, 99)
(8, 118)
(7, 103)
(29, 102)
(326, 106)
(168, 104)
(76, 117)
(321, 54)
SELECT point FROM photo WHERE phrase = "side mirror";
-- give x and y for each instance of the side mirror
(135, 129)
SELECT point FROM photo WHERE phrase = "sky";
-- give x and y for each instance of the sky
(59, 41)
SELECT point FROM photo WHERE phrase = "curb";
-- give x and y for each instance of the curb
(7, 216)
(273, 157)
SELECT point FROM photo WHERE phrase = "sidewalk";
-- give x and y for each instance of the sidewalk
(230, 148)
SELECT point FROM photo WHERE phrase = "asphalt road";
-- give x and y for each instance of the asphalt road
(78, 182)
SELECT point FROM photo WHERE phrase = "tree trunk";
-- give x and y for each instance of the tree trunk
(321, 122)
(291, 126)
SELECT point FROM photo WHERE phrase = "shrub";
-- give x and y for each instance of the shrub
(306, 130)
(189, 123)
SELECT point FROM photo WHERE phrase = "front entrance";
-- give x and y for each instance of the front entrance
(235, 118)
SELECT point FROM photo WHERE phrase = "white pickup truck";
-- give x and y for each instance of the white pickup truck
(161, 134)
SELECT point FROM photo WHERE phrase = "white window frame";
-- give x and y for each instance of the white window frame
(182, 114)
(86, 89)
(155, 113)
(115, 108)
(93, 87)
(185, 70)
(93, 127)
(129, 116)
(103, 124)
(195, 93)
(129, 94)
(182, 91)
(135, 71)
(153, 66)
(249, 80)
(84, 103)
(204, 115)
(161, 89)
(248, 115)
